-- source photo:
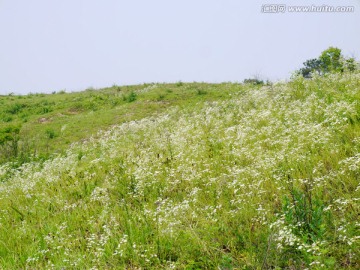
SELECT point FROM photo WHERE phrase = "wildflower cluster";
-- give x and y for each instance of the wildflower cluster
(266, 179)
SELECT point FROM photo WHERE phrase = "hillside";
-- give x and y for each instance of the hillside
(188, 176)
(38, 125)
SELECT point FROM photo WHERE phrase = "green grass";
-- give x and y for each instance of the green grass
(189, 176)
(49, 123)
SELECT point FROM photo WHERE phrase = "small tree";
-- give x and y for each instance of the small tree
(331, 60)
(310, 66)
(254, 81)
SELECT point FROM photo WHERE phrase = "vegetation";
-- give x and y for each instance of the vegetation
(237, 177)
(330, 61)
(254, 81)
(36, 126)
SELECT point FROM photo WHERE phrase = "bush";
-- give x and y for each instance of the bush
(254, 81)
(201, 92)
(44, 110)
(131, 97)
(179, 83)
(15, 108)
(50, 133)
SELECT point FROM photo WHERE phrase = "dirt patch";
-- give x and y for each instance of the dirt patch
(44, 120)
(73, 111)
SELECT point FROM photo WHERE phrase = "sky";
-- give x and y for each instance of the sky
(72, 45)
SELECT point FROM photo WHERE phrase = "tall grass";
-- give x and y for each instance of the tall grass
(266, 180)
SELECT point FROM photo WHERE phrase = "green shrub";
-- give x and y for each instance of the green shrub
(44, 110)
(15, 108)
(179, 83)
(201, 92)
(50, 133)
(131, 97)
(253, 81)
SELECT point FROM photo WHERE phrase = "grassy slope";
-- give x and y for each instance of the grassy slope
(50, 123)
(250, 179)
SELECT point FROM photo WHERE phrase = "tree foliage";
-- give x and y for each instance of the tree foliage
(254, 81)
(331, 60)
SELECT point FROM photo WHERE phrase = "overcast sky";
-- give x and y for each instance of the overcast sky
(51, 45)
